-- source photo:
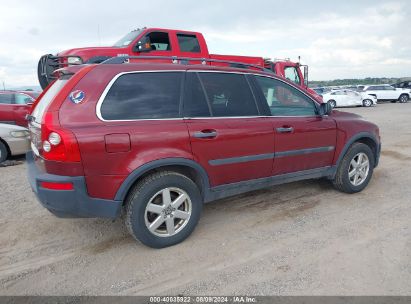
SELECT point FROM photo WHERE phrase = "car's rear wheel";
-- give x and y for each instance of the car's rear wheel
(163, 209)
(355, 169)
(3, 152)
(403, 98)
(332, 103)
(367, 102)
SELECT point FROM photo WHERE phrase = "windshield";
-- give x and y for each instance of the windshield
(127, 39)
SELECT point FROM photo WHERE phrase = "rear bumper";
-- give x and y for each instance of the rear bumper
(68, 203)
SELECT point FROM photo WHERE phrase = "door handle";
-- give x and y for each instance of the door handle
(205, 134)
(285, 130)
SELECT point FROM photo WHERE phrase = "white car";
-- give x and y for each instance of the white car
(349, 98)
(14, 140)
(387, 92)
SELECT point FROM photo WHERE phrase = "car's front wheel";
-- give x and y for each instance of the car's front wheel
(163, 209)
(367, 102)
(355, 169)
(3, 152)
(403, 98)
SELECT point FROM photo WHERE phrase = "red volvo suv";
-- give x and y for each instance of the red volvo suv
(159, 140)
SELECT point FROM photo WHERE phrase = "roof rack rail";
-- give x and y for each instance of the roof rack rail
(185, 60)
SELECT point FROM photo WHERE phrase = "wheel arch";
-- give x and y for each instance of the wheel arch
(184, 166)
(366, 138)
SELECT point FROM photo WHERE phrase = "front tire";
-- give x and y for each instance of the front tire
(3, 152)
(163, 209)
(355, 169)
(403, 98)
(367, 103)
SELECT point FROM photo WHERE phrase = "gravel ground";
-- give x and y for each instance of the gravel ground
(303, 238)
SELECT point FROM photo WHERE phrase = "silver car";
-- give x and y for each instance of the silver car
(14, 140)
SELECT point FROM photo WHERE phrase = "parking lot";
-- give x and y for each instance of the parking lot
(303, 238)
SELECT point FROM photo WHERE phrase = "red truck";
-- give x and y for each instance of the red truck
(168, 43)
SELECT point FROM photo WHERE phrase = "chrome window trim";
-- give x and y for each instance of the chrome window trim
(110, 84)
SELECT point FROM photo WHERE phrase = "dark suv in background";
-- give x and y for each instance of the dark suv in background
(159, 140)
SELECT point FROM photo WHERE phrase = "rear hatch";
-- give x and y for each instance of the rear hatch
(40, 108)
(55, 147)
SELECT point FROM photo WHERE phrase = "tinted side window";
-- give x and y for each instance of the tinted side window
(6, 98)
(195, 102)
(228, 94)
(143, 96)
(188, 43)
(284, 100)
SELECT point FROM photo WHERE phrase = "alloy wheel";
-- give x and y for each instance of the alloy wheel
(168, 212)
(403, 98)
(367, 103)
(358, 169)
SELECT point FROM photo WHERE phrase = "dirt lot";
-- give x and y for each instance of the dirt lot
(303, 238)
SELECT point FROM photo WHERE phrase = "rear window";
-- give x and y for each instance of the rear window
(44, 102)
(143, 96)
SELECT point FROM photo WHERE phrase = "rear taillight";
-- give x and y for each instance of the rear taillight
(58, 144)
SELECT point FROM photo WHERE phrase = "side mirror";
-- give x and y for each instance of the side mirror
(143, 45)
(306, 76)
(325, 109)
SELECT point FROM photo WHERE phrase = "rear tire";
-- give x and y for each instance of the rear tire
(367, 103)
(355, 169)
(163, 209)
(332, 103)
(403, 98)
(3, 152)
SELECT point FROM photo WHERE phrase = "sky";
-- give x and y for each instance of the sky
(337, 39)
